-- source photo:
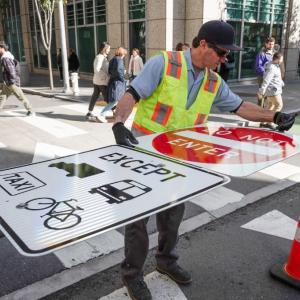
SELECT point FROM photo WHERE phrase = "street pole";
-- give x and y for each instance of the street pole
(64, 55)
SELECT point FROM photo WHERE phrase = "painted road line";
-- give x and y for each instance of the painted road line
(280, 170)
(274, 223)
(161, 287)
(217, 198)
(2, 145)
(83, 108)
(239, 145)
(54, 127)
(46, 151)
(96, 246)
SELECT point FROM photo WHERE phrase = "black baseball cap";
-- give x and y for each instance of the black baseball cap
(218, 33)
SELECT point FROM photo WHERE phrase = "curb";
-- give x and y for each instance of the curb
(52, 95)
(71, 276)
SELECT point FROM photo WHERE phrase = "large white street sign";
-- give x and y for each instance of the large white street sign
(55, 203)
(235, 151)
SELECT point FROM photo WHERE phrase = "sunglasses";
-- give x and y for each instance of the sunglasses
(220, 52)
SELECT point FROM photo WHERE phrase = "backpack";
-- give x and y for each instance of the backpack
(17, 66)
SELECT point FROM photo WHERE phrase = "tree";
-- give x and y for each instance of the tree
(45, 9)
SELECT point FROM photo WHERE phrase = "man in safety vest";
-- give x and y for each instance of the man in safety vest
(177, 90)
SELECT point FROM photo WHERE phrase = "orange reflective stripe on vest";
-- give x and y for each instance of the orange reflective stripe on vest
(141, 129)
(211, 82)
(161, 113)
(174, 64)
(200, 119)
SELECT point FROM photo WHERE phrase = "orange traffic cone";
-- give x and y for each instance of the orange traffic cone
(290, 271)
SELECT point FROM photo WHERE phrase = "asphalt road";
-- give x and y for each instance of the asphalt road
(227, 262)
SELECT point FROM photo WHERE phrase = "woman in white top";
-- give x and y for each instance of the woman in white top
(271, 87)
(135, 64)
(100, 79)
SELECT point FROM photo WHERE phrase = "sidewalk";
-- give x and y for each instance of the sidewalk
(39, 85)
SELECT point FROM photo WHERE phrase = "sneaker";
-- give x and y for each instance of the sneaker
(108, 114)
(102, 119)
(30, 113)
(176, 273)
(90, 117)
(137, 289)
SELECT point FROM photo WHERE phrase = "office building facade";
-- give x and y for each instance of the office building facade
(153, 25)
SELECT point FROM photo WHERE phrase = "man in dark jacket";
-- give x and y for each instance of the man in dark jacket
(73, 61)
(263, 57)
(11, 79)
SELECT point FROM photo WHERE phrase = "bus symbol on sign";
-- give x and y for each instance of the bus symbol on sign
(120, 191)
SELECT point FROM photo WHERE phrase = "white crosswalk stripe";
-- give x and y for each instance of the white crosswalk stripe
(274, 223)
(83, 108)
(54, 127)
(45, 151)
(217, 198)
(281, 170)
(2, 145)
(161, 287)
(91, 248)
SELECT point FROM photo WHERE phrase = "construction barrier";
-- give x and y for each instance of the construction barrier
(290, 271)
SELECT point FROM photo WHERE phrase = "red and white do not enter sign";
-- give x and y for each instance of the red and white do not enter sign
(237, 151)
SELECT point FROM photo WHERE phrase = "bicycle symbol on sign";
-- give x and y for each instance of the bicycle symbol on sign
(61, 214)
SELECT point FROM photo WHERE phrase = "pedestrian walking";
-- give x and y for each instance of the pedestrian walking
(117, 84)
(73, 61)
(135, 63)
(11, 79)
(271, 87)
(100, 79)
(263, 57)
(59, 64)
(177, 90)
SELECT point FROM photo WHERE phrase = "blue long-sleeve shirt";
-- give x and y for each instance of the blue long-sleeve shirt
(262, 58)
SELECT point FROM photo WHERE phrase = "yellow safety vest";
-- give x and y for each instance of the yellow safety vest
(166, 109)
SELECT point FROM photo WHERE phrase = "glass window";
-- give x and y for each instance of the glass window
(101, 35)
(72, 38)
(100, 11)
(13, 30)
(251, 9)
(86, 49)
(79, 13)
(137, 9)
(233, 74)
(137, 37)
(279, 6)
(70, 15)
(89, 15)
(254, 37)
(234, 9)
(265, 11)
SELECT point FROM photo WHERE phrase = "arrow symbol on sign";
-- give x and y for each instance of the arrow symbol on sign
(274, 223)
(45, 151)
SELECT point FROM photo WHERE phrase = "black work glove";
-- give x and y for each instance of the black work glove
(123, 136)
(284, 121)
